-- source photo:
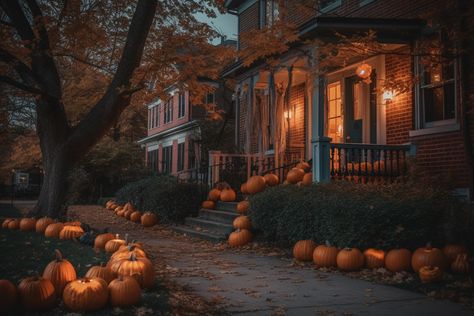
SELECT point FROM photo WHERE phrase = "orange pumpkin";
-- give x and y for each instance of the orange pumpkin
(128, 207)
(118, 209)
(271, 179)
(113, 245)
(350, 259)
(210, 205)
(14, 224)
(102, 239)
(295, 175)
(303, 250)
(228, 195)
(36, 294)
(452, 251)
(243, 206)
(60, 272)
(461, 264)
(53, 230)
(73, 223)
(325, 256)
(430, 274)
(125, 253)
(27, 224)
(428, 256)
(42, 223)
(149, 219)
(71, 232)
(214, 195)
(240, 237)
(243, 188)
(124, 291)
(307, 179)
(128, 213)
(397, 260)
(5, 222)
(100, 271)
(304, 165)
(255, 184)
(139, 268)
(374, 258)
(121, 213)
(86, 294)
(8, 295)
(242, 222)
(136, 216)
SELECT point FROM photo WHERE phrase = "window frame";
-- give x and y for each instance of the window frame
(168, 111)
(181, 105)
(167, 164)
(181, 154)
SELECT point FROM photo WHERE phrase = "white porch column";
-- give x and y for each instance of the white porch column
(320, 142)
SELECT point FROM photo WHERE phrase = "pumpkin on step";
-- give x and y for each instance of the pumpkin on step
(136, 216)
(397, 260)
(452, 251)
(428, 256)
(210, 205)
(271, 179)
(53, 230)
(243, 206)
(113, 245)
(60, 272)
(36, 294)
(430, 274)
(149, 219)
(303, 250)
(100, 271)
(228, 195)
(102, 239)
(374, 258)
(461, 264)
(8, 295)
(124, 291)
(307, 179)
(243, 188)
(27, 224)
(295, 175)
(255, 184)
(325, 256)
(214, 195)
(350, 259)
(240, 237)
(42, 223)
(304, 165)
(87, 294)
(5, 222)
(242, 222)
(71, 232)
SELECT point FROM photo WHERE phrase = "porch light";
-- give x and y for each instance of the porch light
(364, 71)
(288, 115)
(388, 96)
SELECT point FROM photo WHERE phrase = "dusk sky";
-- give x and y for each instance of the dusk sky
(226, 24)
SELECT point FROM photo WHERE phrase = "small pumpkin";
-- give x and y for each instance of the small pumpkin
(243, 188)
(100, 271)
(242, 222)
(43, 223)
(60, 272)
(304, 165)
(428, 256)
(139, 268)
(149, 219)
(27, 224)
(118, 209)
(295, 175)
(14, 224)
(350, 259)
(214, 195)
(451, 251)
(397, 260)
(429, 274)
(255, 184)
(307, 179)
(53, 230)
(121, 213)
(325, 256)
(374, 258)
(240, 237)
(303, 250)
(136, 216)
(36, 294)
(128, 207)
(210, 205)
(271, 179)
(228, 195)
(243, 206)
(124, 291)
(113, 245)
(8, 295)
(128, 213)
(71, 232)
(102, 239)
(87, 294)
(5, 222)
(460, 265)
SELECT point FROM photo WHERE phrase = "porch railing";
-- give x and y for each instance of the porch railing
(368, 162)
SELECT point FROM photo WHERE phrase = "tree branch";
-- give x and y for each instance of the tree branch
(20, 85)
(83, 61)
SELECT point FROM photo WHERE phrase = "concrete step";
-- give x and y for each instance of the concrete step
(202, 234)
(224, 217)
(209, 225)
(227, 206)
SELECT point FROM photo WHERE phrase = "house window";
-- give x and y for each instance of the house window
(181, 156)
(167, 159)
(438, 94)
(334, 123)
(152, 159)
(271, 12)
(157, 115)
(328, 5)
(181, 105)
(191, 155)
(168, 110)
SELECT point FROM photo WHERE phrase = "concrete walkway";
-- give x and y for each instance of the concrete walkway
(253, 283)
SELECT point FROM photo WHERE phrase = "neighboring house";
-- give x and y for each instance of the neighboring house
(341, 119)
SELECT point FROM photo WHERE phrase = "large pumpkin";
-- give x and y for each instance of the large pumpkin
(60, 272)
(374, 258)
(304, 165)
(14, 224)
(271, 179)
(243, 188)
(102, 239)
(53, 230)
(214, 195)
(124, 291)
(113, 245)
(100, 271)
(303, 250)
(8, 297)
(325, 256)
(242, 222)
(428, 256)
(84, 295)
(149, 219)
(27, 224)
(460, 264)
(430, 274)
(71, 232)
(295, 175)
(397, 260)
(255, 184)
(125, 253)
(452, 251)
(136, 216)
(228, 195)
(36, 294)
(139, 268)
(128, 213)
(240, 237)
(210, 205)
(243, 206)
(350, 259)
(43, 223)
(307, 179)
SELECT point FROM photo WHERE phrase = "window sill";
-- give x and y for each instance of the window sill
(435, 130)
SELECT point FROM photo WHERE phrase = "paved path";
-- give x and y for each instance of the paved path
(251, 283)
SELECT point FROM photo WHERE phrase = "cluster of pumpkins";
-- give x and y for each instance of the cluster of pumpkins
(47, 226)
(118, 283)
(127, 211)
(429, 262)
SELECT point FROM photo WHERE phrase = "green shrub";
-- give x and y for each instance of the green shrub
(355, 215)
(163, 195)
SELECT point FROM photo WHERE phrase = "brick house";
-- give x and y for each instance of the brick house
(342, 118)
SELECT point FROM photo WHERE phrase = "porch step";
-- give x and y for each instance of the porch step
(209, 225)
(224, 217)
(227, 206)
(206, 235)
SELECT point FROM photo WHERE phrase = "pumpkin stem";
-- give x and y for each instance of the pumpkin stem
(58, 254)
(133, 257)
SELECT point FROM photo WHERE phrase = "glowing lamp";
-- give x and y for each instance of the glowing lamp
(288, 115)
(364, 71)
(388, 96)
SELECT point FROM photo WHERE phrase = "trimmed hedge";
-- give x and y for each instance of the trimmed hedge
(355, 215)
(163, 195)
